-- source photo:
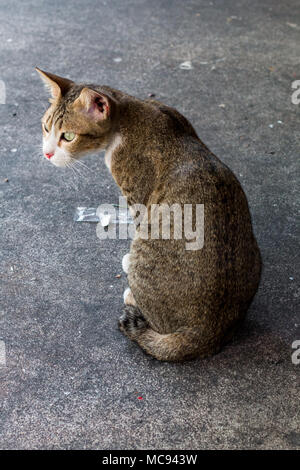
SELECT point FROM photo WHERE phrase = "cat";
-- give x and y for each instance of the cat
(181, 304)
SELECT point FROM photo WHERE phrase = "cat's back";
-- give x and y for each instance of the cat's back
(196, 176)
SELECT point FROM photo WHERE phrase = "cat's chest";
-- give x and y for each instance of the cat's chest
(111, 150)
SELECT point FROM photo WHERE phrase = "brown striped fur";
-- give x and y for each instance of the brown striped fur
(183, 304)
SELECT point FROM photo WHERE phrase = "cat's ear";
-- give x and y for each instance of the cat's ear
(57, 86)
(96, 105)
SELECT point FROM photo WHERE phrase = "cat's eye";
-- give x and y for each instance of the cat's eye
(68, 136)
(46, 128)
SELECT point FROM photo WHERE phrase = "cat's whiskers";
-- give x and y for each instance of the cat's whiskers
(82, 165)
(76, 169)
(41, 161)
(74, 176)
(38, 154)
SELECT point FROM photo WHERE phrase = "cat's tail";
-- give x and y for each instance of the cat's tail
(184, 344)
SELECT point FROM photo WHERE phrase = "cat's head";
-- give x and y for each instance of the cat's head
(79, 120)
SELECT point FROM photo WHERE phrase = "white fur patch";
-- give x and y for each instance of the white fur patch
(110, 150)
(127, 292)
(125, 262)
(128, 297)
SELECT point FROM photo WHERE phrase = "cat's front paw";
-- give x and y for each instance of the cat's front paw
(128, 297)
(132, 322)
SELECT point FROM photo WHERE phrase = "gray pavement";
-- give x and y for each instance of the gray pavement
(71, 380)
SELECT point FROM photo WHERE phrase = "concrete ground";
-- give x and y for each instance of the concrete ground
(71, 379)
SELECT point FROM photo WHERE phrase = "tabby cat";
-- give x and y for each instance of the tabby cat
(180, 303)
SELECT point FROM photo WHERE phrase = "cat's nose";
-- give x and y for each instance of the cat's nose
(49, 155)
